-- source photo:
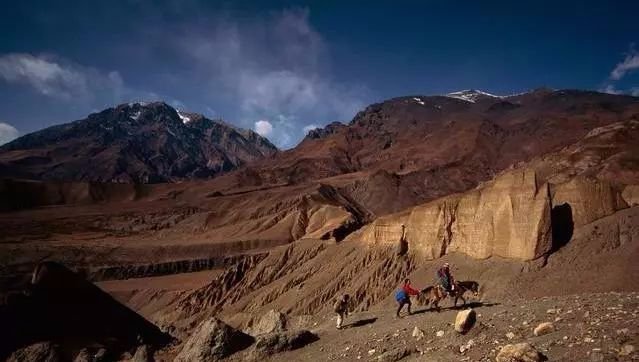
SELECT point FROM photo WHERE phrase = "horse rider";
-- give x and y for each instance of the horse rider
(446, 280)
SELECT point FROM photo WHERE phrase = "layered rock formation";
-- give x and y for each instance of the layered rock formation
(509, 217)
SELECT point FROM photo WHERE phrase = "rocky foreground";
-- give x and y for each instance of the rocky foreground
(589, 327)
(593, 327)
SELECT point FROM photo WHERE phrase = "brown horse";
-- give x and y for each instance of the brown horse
(434, 294)
(430, 296)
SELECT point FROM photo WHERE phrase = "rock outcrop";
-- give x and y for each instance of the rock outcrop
(630, 195)
(520, 352)
(65, 308)
(213, 340)
(39, 352)
(510, 217)
(589, 199)
(271, 343)
(272, 321)
(143, 354)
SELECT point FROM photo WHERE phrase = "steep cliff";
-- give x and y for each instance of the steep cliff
(510, 217)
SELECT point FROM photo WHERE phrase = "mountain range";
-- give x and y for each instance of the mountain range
(181, 218)
(135, 142)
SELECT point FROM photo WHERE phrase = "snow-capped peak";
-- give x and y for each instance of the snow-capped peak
(471, 95)
(185, 119)
(141, 104)
(418, 100)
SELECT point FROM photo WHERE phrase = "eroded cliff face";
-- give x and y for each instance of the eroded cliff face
(510, 217)
(589, 199)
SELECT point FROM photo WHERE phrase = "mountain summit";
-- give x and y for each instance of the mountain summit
(134, 142)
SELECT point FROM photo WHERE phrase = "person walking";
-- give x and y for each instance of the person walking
(403, 296)
(341, 308)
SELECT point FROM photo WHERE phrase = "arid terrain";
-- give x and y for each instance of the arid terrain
(534, 196)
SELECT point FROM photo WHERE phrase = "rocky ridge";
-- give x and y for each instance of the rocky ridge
(133, 143)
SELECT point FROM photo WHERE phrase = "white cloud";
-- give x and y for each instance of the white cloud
(610, 89)
(274, 67)
(630, 63)
(58, 78)
(309, 128)
(263, 128)
(7, 133)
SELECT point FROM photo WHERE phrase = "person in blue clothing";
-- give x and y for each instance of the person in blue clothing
(403, 296)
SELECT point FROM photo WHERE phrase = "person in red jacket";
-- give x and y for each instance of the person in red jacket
(403, 296)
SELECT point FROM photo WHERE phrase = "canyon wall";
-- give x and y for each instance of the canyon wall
(509, 217)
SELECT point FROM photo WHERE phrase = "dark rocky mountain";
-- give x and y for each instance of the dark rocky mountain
(135, 142)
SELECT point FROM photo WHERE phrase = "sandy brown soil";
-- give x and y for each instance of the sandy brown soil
(149, 295)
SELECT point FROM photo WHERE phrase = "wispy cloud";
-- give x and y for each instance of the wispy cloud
(274, 68)
(58, 78)
(7, 133)
(630, 63)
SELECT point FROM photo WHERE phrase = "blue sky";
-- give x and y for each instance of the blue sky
(282, 67)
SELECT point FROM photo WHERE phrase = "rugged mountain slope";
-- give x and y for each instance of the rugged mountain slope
(581, 233)
(546, 205)
(136, 142)
(413, 149)
(147, 224)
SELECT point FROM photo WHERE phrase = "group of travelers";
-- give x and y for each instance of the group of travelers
(402, 296)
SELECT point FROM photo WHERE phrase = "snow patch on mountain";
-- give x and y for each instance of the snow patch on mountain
(141, 104)
(471, 95)
(185, 119)
(136, 115)
(418, 100)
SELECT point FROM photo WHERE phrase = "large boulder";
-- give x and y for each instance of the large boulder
(271, 322)
(39, 352)
(465, 320)
(212, 341)
(520, 352)
(268, 344)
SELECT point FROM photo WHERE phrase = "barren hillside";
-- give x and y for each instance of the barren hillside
(531, 196)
